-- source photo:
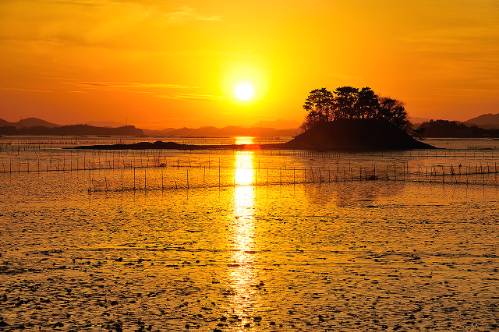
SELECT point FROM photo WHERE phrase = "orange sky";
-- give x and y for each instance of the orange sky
(160, 63)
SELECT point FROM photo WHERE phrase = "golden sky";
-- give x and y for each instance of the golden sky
(172, 63)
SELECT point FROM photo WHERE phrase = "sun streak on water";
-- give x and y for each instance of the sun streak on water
(244, 201)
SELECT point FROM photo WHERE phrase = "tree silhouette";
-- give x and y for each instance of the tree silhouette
(394, 112)
(324, 106)
(345, 102)
(319, 105)
(367, 104)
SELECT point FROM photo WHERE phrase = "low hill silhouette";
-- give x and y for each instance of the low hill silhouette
(486, 121)
(4, 123)
(34, 122)
(28, 123)
(349, 134)
(72, 130)
(454, 129)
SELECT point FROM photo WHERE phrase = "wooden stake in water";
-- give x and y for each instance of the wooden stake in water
(162, 187)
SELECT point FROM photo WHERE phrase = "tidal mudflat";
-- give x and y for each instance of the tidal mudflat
(352, 255)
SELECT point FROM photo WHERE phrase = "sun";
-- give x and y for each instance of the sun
(244, 91)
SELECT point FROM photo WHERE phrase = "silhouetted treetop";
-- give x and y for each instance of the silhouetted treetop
(324, 106)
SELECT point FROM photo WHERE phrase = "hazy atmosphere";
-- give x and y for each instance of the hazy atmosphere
(159, 64)
(319, 165)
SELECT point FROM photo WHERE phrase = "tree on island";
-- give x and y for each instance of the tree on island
(324, 106)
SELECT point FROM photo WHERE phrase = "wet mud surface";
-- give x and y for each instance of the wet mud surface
(352, 256)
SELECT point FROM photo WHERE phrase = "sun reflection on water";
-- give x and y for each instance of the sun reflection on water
(244, 201)
(244, 140)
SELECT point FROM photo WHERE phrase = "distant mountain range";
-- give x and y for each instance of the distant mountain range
(36, 126)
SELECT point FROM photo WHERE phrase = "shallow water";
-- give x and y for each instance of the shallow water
(358, 255)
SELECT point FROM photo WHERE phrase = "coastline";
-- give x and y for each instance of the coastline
(161, 145)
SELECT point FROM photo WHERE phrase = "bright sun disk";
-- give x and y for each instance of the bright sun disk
(244, 91)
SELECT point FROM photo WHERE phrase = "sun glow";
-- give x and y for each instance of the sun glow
(244, 91)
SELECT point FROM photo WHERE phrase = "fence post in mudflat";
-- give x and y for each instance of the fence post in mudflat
(145, 179)
(280, 176)
(218, 172)
(10, 165)
(162, 187)
(187, 174)
(134, 179)
(294, 176)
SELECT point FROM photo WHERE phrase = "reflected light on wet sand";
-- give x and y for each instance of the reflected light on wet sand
(243, 236)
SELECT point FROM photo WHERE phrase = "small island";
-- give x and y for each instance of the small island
(346, 119)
